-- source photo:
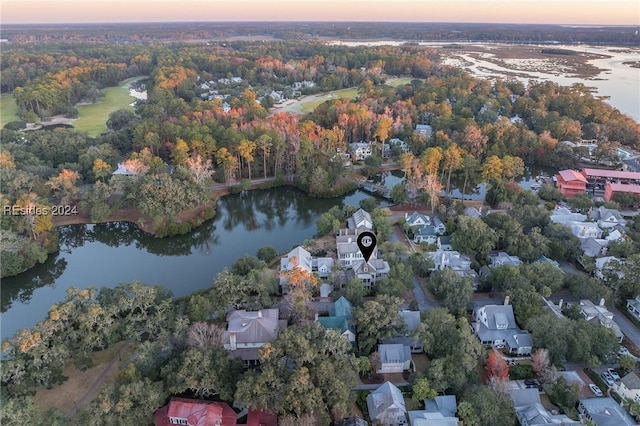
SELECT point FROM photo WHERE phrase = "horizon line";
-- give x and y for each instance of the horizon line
(319, 22)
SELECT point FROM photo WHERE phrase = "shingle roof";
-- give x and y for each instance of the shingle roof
(253, 326)
(631, 381)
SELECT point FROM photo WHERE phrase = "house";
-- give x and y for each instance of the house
(123, 170)
(360, 151)
(417, 219)
(394, 358)
(605, 266)
(585, 229)
(248, 331)
(411, 321)
(297, 258)
(397, 142)
(195, 412)
(360, 219)
(633, 306)
(629, 387)
(503, 259)
(531, 412)
(563, 216)
(441, 228)
(439, 411)
(340, 319)
(423, 130)
(614, 235)
(496, 326)
(450, 260)
(261, 418)
(594, 247)
(571, 183)
(607, 218)
(347, 247)
(386, 405)
(444, 243)
(602, 176)
(611, 189)
(323, 266)
(368, 272)
(604, 412)
(599, 314)
(545, 259)
(425, 234)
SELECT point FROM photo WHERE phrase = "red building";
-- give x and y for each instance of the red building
(194, 412)
(601, 176)
(611, 189)
(571, 183)
(261, 418)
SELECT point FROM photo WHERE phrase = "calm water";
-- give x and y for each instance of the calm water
(113, 253)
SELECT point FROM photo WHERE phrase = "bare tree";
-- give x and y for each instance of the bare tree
(203, 335)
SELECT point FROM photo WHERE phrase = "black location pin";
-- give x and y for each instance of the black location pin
(367, 243)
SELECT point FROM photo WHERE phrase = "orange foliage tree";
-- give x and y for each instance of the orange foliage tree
(496, 366)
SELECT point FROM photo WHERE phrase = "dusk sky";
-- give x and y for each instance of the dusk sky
(575, 12)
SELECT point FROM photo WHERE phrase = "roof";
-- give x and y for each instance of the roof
(196, 412)
(261, 418)
(623, 187)
(411, 319)
(303, 259)
(592, 247)
(606, 412)
(394, 353)
(499, 315)
(572, 175)
(415, 216)
(529, 407)
(253, 326)
(352, 421)
(342, 307)
(615, 174)
(631, 381)
(339, 323)
(386, 401)
(603, 213)
(360, 218)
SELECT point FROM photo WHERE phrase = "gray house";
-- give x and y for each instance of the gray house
(386, 405)
(496, 326)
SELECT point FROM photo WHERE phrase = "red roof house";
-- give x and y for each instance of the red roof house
(571, 183)
(611, 189)
(194, 412)
(261, 418)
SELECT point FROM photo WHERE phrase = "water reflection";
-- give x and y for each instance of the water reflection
(119, 252)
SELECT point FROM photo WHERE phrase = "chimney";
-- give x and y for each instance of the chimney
(560, 303)
(232, 341)
(506, 300)
(602, 302)
(315, 317)
(260, 313)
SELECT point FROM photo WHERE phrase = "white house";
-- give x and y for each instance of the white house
(503, 259)
(599, 314)
(360, 151)
(417, 219)
(450, 260)
(604, 412)
(633, 306)
(386, 405)
(347, 247)
(397, 142)
(360, 219)
(585, 229)
(607, 218)
(439, 411)
(629, 387)
(423, 130)
(563, 216)
(368, 272)
(394, 358)
(605, 266)
(531, 412)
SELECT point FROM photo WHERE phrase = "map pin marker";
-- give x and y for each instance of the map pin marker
(367, 243)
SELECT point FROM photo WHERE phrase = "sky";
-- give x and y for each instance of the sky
(572, 12)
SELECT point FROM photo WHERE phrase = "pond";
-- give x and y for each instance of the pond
(118, 252)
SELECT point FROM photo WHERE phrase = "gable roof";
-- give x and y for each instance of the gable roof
(410, 318)
(303, 259)
(359, 219)
(394, 353)
(572, 175)
(606, 412)
(342, 308)
(499, 316)
(418, 217)
(386, 401)
(339, 323)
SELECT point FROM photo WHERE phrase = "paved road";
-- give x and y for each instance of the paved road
(627, 327)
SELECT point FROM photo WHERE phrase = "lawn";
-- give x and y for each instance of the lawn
(309, 106)
(93, 118)
(8, 109)
(397, 82)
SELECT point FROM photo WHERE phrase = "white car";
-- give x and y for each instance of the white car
(613, 373)
(623, 351)
(596, 390)
(607, 379)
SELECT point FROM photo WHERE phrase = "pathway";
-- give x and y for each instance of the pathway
(98, 382)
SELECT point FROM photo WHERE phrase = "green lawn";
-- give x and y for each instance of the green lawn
(8, 109)
(397, 82)
(93, 118)
(350, 93)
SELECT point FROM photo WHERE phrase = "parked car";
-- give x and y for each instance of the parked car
(614, 374)
(607, 378)
(596, 390)
(623, 351)
(531, 383)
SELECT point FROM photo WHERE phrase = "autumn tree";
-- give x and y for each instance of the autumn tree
(247, 149)
(264, 143)
(452, 157)
(433, 187)
(64, 185)
(496, 366)
(200, 170)
(381, 132)
(228, 163)
(101, 169)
